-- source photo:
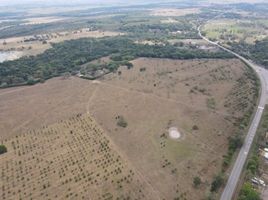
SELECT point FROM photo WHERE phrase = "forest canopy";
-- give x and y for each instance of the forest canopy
(70, 55)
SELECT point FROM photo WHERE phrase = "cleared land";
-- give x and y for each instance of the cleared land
(151, 97)
(36, 44)
(169, 12)
(42, 20)
(229, 30)
(68, 160)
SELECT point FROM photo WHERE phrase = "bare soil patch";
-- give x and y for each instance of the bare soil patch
(169, 12)
(174, 133)
(43, 20)
(169, 21)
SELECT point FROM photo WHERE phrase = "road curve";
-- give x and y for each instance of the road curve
(233, 179)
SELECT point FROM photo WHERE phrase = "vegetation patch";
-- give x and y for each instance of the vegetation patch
(248, 193)
(255, 166)
(121, 121)
(69, 56)
(90, 166)
(3, 149)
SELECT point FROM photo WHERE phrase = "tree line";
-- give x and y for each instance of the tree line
(69, 56)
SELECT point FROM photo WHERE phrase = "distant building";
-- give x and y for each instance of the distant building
(265, 155)
(266, 136)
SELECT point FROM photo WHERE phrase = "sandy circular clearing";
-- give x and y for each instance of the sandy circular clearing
(174, 133)
(96, 82)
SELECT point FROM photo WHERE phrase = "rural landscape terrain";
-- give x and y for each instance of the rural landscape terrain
(134, 100)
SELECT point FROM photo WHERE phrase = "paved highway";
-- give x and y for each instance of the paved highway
(243, 154)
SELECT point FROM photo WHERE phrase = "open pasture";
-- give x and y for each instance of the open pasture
(169, 12)
(42, 20)
(136, 107)
(230, 30)
(72, 159)
(36, 44)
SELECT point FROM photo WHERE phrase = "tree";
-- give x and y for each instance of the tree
(129, 65)
(253, 164)
(3, 149)
(31, 81)
(195, 127)
(196, 181)
(235, 143)
(248, 193)
(217, 183)
(121, 122)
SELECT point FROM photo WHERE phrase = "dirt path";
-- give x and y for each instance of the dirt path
(92, 97)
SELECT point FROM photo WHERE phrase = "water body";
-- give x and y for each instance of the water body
(8, 55)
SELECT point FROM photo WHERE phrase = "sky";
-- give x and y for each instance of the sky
(66, 2)
(14, 2)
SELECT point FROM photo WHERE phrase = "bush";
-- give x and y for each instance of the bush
(235, 143)
(3, 149)
(196, 181)
(248, 193)
(195, 127)
(217, 183)
(253, 164)
(121, 122)
(143, 69)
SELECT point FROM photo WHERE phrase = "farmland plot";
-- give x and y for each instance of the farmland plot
(136, 107)
(72, 159)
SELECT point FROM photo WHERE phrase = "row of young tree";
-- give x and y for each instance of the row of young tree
(69, 56)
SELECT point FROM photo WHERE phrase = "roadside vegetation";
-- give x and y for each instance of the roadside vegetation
(248, 193)
(243, 30)
(255, 166)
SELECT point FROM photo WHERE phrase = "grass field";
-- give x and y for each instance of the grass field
(72, 159)
(151, 97)
(231, 30)
(26, 46)
(174, 12)
(42, 20)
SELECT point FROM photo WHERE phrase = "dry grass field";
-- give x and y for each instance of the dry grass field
(232, 30)
(42, 20)
(169, 21)
(72, 159)
(37, 46)
(196, 96)
(169, 12)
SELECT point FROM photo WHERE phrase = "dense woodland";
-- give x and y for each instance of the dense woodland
(257, 52)
(69, 56)
(163, 30)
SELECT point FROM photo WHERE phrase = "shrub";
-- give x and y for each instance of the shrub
(248, 193)
(253, 164)
(196, 181)
(121, 122)
(195, 127)
(217, 183)
(143, 69)
(235, 143)
(3, 149)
